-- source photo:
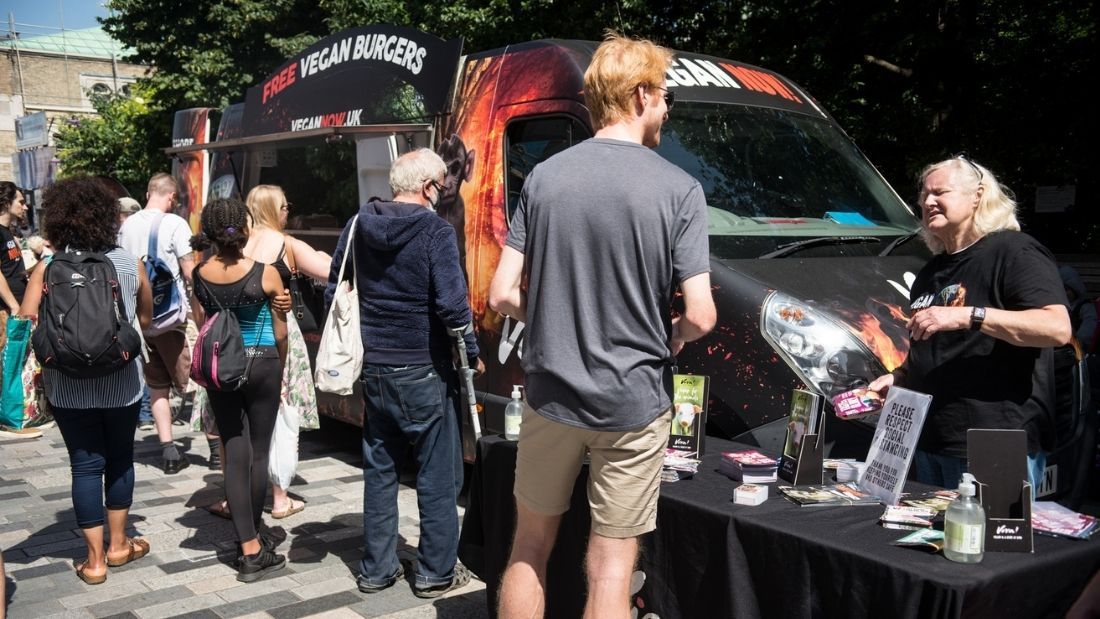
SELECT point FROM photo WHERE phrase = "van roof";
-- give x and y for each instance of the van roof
(694, 77)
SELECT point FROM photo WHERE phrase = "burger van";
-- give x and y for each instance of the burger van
(800, 223)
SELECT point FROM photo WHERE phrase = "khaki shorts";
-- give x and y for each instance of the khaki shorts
(624, 477)
(169, 361)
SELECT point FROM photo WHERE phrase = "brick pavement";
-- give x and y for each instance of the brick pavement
(189, 572)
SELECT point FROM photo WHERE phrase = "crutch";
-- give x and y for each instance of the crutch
(467, 375)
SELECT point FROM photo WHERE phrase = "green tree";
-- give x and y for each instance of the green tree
(123, 142)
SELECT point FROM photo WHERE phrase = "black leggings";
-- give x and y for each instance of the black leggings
(246, 420)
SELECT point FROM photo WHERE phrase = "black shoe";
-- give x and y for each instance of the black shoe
(366, 587)
(460, 579)
(254, 567)
(266, 543)
(171, 467)
(146, 426)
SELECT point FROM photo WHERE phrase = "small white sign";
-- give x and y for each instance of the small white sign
(269, 158)
(30, 131)
(895, 441)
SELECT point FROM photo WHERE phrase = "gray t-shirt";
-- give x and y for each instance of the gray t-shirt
(608, 229)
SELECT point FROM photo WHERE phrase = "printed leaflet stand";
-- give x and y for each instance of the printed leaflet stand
(998, 459)
(801, 463)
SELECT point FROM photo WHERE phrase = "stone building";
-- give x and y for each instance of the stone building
(55, 74)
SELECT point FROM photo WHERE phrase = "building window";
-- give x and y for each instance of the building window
(102, 85)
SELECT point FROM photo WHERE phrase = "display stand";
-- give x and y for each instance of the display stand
(801, 463)
(998, 459)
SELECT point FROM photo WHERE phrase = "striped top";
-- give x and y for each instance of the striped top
(115, 390)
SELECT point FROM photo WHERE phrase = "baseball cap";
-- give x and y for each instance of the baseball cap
(128, 206)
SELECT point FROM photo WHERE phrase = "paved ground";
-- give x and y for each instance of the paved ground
(188, 572)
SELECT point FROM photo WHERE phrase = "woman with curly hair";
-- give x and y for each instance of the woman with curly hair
(246, 417)
(97, 416)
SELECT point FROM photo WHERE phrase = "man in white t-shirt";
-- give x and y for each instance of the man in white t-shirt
(169, 356)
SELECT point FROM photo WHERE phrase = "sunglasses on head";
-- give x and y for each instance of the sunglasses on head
(965, 157)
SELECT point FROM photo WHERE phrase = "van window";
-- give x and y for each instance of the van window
(770, 175)
(531, 141)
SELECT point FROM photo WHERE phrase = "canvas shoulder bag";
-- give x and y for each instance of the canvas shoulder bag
(340, 353)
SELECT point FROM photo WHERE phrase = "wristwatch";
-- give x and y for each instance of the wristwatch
(977, 317)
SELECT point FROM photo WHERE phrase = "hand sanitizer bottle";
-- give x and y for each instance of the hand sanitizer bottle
(964, 525)
(513, 415)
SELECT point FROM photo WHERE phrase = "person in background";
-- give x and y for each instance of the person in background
(169, 361)
(987, 311)
(245, 417)
(604, 233)
(411, 293)
(128, 206)
(96, 416)
(1082, 310)
(14, 281)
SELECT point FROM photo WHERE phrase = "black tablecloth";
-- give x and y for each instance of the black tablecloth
(712, 558)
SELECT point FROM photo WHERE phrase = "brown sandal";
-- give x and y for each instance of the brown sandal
(293, 507)
(91, 580)
(138, 549)
(220, 509)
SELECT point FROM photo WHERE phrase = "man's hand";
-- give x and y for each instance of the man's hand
(932, 320)
(480, 368)
(282, 302)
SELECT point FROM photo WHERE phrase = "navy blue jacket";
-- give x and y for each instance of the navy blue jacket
(411, 286)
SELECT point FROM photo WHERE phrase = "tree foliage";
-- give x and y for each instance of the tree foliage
(912, 81)
(123, 142)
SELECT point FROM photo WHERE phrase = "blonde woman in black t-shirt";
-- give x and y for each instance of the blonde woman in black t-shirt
(985, 314)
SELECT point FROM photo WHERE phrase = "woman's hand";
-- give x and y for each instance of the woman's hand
(931, 320)
(281, 301)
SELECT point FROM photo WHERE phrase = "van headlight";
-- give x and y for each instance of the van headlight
(825, 355)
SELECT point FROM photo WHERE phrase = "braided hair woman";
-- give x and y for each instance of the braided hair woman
(245, 417)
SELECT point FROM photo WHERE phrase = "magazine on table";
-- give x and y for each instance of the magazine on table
(1050, 518)
(749, 466)
(825, 495)
(933, 499)
(907, 517)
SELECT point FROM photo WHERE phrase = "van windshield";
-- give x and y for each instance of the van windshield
(772, 173)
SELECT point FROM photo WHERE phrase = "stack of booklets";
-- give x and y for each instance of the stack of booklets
(828, 494)
(937, 500)
(749, 466)
(907, 517)
(1050, 518)
(679, 465)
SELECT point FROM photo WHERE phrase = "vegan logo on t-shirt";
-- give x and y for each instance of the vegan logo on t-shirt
(13, 251)
(951, 296)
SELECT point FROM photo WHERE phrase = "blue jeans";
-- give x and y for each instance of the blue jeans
(146, 413)
(417, 405)
(946, 471)
(101, 451)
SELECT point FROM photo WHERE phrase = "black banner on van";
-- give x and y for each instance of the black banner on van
(360, 76)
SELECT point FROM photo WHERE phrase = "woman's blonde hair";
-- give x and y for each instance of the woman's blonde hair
(996, 207)
(264, 203)
(618, 66)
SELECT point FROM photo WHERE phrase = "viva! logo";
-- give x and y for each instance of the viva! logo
(702, 72)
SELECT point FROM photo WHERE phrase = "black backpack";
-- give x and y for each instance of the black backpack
(83, 330)
(219, 361)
